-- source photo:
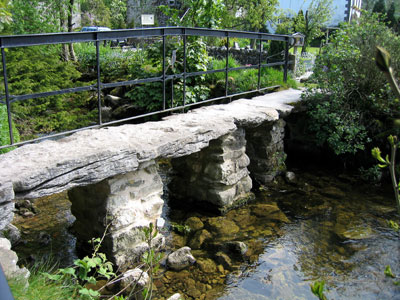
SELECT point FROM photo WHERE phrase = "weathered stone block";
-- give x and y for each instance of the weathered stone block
(266, 150)
(123, 203)
(220, 175)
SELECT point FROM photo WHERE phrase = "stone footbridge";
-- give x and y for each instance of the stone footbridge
(111, 173)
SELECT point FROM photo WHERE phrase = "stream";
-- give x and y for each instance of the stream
(322, 226)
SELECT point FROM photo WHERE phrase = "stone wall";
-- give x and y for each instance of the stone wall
(243, 56)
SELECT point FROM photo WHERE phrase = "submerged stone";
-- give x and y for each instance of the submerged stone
(224, 260)
(270, 211)
(333, 192)
(223, 226)
(353, 231)
(199, 238)
(207, 265)
(194, 223)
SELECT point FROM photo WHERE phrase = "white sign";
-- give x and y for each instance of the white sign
(147, 19)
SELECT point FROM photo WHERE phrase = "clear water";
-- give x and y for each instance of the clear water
(329, 228)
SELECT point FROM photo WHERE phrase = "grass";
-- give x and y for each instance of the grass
(313, 50)
(40, 288)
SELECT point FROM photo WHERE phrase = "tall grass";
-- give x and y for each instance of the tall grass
(40, 288)
(247, 79)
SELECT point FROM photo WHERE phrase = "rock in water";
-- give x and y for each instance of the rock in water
(180, 259)
(135, 278)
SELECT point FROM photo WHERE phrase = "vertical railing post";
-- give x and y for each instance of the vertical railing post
(227, 64)
(163, 69)
(184, 67)
(10, 129)
(259, 64)
(285, 72)
(98, 78)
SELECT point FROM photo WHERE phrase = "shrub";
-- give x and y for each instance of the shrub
(352, 104)
(148, 96)
(114, 63)
(39, 69)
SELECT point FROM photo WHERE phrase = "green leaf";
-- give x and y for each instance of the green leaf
(388, 272)
(89, 292)
(91, 280)
(54, 277)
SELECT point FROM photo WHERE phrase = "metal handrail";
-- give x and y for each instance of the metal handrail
(99, 36)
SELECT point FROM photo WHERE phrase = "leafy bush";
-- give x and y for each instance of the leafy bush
(148, 96)
(352, 104)
(114, 63)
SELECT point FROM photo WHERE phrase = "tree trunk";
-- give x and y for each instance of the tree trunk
(70, 25)
(64, 47)
(306, 41)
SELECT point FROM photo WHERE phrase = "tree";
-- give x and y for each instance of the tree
(299, 22)
(249, 15)
(379, 7)
(118, 10)
(196, 13)
(317, 14)
(391, 19)
(95, 13)
(5, 14)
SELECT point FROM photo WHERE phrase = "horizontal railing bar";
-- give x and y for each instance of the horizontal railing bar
(15, 98)
(65, 133)
(131, 82)
(11, 41)
(204, 72)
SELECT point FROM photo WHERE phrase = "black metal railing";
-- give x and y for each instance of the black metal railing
(100, 36)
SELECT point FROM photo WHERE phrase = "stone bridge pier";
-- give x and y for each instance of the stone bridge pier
(112, 178)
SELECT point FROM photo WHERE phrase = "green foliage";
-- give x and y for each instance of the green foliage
(148, 96)
(95, 13)
(193, 13)
(38, 16)
(5, 14)
(184, 229)
(317, 288)
(118, 10)
(39, 285)
(388, 272)
(248, 15)
(86, 271)
(394, 225)
(37, 70)
(352, 104)
(372, 174)
(151, 259)
(245, 80)
(4, 130)
(115, 64)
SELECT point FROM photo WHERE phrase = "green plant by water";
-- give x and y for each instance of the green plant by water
(87, 271)
(317, 288)
(352, 106)
(383, 62)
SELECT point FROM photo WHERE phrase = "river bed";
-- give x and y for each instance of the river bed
(320, 227)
